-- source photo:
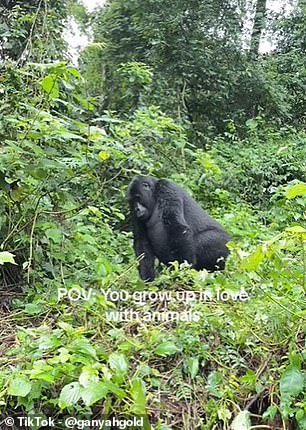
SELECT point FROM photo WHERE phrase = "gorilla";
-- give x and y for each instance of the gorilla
(170, 225)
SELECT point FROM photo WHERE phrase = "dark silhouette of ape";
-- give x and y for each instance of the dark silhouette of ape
(170, 225)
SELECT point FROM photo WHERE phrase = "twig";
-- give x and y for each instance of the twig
(31, 245)
(29, 40)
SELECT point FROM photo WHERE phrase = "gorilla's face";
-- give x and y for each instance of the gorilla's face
(141, 197)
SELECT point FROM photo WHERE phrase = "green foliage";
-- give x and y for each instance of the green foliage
(52, 153)
(201, 74)
(289, 62)
(265, 159)
(159, 80)
(45, 161)
(52, 356)
(178, 49)
(6, 257)
(32, 30)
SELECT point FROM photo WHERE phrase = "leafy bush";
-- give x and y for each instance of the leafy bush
(262, 161)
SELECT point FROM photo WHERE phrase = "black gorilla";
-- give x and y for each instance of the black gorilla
(170, 225)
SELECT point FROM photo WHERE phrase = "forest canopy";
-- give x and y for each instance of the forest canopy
(182, 90)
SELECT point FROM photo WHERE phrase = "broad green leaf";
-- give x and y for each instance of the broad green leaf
(94, 392)
(296, 229)
(88, 376)
(166, 348)
(253, 261)
(103, 156)
(42, 371)
(292, 382)
(113, 388)
(270, 412)
(295, 359)
(300, 417)
(7, 257)
(296, 190)
(70, 395)
(242, 421)
(74, 72)
(49, 164)
(83, 346)
(49, 341)
(54, 234)
(138, 393)
(118, 363)
(103, 267)
(39, 173)
(65, 326)
(193, 366)
(33, 308)
(50, 85)
(251, 124)
(19, 386)
(214, 381)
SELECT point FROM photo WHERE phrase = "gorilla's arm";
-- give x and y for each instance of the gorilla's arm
(171, 202)
(143, 250)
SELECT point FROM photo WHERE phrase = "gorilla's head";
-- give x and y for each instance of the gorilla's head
(141, 196)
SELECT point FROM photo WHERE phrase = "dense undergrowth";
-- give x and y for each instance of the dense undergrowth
(238, 343)
(192, 350)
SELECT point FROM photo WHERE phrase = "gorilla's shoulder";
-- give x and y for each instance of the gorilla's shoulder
(166, 183)
(168, 189)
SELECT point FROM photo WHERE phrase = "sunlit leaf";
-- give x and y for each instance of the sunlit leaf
(291, 382)
(253, 261)
(296, 190)
(242, 421)
(193, 366)
(103, 155)
(296, 229)
(70, 395)
(19, 386)
(7, 257)
(118, 363)
(50, 86)
(166, 348)
(138, 393)
(94, 392)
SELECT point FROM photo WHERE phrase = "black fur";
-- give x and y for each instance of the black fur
(170, 225)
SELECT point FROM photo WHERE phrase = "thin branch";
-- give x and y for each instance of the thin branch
(29, 40)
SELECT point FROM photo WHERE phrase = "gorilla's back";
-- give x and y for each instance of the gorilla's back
(195, 215)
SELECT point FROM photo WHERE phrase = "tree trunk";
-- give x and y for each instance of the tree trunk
(259, 25)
